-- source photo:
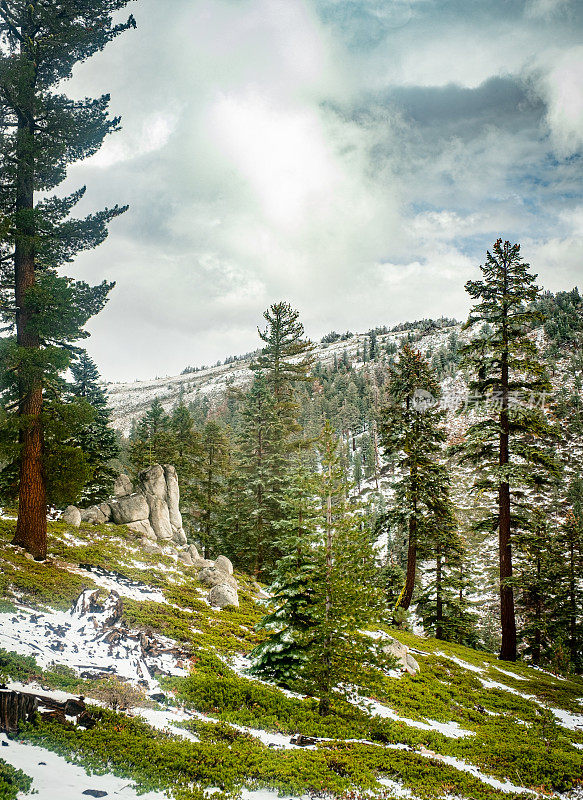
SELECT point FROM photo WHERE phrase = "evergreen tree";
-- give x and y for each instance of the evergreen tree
(213, 468)
(348, 599)
(43, 132)
(263, 463)
(286, 357)
(153, 441)
(326, 594)
(413, 439)
(98, 439)
(283, 656)
(504, 445)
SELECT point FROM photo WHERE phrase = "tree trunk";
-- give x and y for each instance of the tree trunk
(573, 648)
(411, 564)
(31, 527)
(536, 651)
(438, 599)
(507, 618)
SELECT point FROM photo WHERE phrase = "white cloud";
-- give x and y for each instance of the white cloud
(264, 157)
(564, 90)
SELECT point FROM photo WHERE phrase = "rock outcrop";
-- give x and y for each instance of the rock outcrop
(152, 508)
(401, 653)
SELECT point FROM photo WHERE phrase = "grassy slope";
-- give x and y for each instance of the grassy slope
(514, 738)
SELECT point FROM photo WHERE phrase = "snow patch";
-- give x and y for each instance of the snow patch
(54, 777)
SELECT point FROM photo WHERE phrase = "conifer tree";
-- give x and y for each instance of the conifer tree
(326, 595)
(263, 463)
(413, 440)
(153, 440)
(213, 467)
(43, 132)
(348, 598)
(505, 445)
(285, 360)
(283, 656)
(97, 440)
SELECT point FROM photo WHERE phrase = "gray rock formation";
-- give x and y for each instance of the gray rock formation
(153, 510)
(159, 485)
(93, 515)
(72, 516)
(405, 660)
(122, 486)
(212, 576)
(129, 508)
(223, 595)
(224, 564)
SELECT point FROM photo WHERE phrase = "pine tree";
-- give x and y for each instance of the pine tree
(504, 445)
(285, 360)
(348, 599)
(326, 593)
(213, 468)
(153, 440)
(97, 440)
(264, 463)
(43, 132)
(413, 440)
(283, 656)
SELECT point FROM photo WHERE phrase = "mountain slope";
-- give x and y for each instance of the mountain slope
(464, 726)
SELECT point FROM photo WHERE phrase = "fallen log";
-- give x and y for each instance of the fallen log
(15, 708)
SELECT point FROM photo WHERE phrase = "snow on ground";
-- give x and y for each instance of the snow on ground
(463, 766)
(396, 789)
(573, 722)
(88, 639)
(459, 661)
(125, 587)
(57, 779)
(451, 729)
(510, 674)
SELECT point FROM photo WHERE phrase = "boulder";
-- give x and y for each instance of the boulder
(173, 496)
(93, 515)
(222, 595)
(211, 576)
(179, 537)
(224, 565)
(159, 518)
(72, 516)
(143, 526)
(122, 486)
(412, 666)
(400, 652)
(153, 481)
(194, 554)
(150, 547)
(130, 508)
(105, 509)
(185, 557)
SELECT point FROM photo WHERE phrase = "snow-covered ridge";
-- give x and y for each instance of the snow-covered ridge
(129, 401)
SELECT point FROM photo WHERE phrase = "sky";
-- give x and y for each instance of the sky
(355, 158)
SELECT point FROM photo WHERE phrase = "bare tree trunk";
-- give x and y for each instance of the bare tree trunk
(31, 527)
(438, 599)
(411, 564)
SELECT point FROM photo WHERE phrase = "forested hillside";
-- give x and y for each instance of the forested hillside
(207, 423)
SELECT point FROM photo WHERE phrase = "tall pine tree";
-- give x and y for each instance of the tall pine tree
(413, 440)
(43, 132)
(507, 374)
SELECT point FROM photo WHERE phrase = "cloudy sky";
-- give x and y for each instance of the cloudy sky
(355, 157)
